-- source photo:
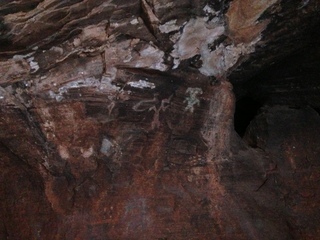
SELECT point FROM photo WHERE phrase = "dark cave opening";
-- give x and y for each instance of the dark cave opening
(316, 109)
(246, 109)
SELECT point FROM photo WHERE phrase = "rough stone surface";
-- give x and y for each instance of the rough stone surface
(117, 120)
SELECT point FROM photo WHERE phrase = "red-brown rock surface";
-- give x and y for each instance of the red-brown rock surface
(117, 120)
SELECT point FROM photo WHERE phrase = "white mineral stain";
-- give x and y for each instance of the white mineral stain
(30, 59)
(169, 26)
(76, 42)
(87, 153)
(57, 49)
(197, 38)
(219, 61)
(33, 64)
(63, 151)
(104, 85)
(134, 21)
(106, 147)
(142, 84)
(123, 53)
(208, 10)
(19, 57)
(151, 57)
(197, 34)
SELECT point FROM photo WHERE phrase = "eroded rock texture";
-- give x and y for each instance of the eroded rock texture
(117, 120)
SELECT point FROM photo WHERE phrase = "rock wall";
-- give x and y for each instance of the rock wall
(117, 122)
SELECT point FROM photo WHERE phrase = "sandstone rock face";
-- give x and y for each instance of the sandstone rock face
(117, 121)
